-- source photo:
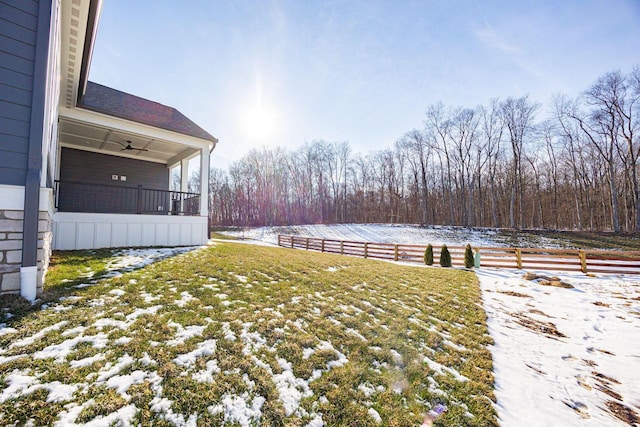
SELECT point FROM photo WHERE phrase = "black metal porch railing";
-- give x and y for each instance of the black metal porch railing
(103, 198)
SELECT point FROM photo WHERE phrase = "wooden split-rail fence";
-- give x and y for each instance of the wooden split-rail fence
(578, 260)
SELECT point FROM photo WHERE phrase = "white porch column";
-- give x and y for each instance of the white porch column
(184, 175)
(204, 181)
(184, 181)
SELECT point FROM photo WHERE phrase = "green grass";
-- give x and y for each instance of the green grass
(221, 236)
(66, 270)
(602, 240)
(574, 239)
(267, 317)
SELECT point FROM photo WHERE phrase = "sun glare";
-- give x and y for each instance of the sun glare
(259, 124)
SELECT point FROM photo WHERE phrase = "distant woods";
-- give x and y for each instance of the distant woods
(495, 165)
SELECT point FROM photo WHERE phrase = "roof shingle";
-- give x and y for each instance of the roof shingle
(103, 99)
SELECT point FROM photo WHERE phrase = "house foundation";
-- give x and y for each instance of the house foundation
(11, 227)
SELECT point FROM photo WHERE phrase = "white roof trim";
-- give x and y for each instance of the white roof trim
(116, 123)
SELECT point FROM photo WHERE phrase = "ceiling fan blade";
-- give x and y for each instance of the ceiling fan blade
(118, 142)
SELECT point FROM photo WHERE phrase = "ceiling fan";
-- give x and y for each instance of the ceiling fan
(128, 147)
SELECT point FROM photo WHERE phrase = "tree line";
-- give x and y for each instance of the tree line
(495, 165)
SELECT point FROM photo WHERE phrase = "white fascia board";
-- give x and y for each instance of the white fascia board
(12, 198)
(111, 122)
(185, 155)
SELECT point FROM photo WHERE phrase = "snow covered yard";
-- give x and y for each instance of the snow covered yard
(400, 233)
(565, 356)
(247, 335)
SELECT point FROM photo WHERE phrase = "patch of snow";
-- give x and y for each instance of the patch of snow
(109, 370)
(239, 409)
(59, 392)
(291, 390)
(149, 298)
(229, 335)
(146, 360)
(205, 348)
(122, 417)
(367, 389)
(5, 330)
(100, 324)
(7, 359)
(316, 421)
(253, 341)
(132, 259)
(87, 361)
(122, 383)
(183, 334)
(443, 370)
(62, 350)
(239, 277)
(19, 383)
(38, 335)
(375, 415)
(123, 341)
(554, 379)
(356, 334)
(186, 298)
(74, 331)
(397, 233)
(397, 357)
(206, 375)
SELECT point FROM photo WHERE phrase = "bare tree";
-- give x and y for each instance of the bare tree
(492, 128)
(467, 167)
(518, 115)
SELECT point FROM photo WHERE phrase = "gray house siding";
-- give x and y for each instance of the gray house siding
(86, 184)
(18, 31)
(25, 235)
(96, 168)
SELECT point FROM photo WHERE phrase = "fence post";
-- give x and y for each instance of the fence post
(366, 249)
(322, 246)
(395, 252)
(583, 261)
(279, 240)
(341, 247)
(306, 244)
(519, 258)
(292, 238)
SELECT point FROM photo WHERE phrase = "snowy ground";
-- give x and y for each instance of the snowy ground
(398, 233)
(567, 357)
(562, 356)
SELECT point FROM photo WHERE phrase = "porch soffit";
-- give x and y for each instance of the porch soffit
(88, 131)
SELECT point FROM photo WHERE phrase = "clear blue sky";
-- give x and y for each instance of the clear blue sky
(279, 73)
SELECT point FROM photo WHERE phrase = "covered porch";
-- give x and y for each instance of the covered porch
(123, 183)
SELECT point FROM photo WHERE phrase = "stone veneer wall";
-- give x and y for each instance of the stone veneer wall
(11, 249)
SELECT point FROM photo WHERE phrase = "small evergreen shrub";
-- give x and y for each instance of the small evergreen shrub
(468, 256)
(428, 255)
(445, 257)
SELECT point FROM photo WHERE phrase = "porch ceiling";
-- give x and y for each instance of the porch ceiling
(101, 139)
